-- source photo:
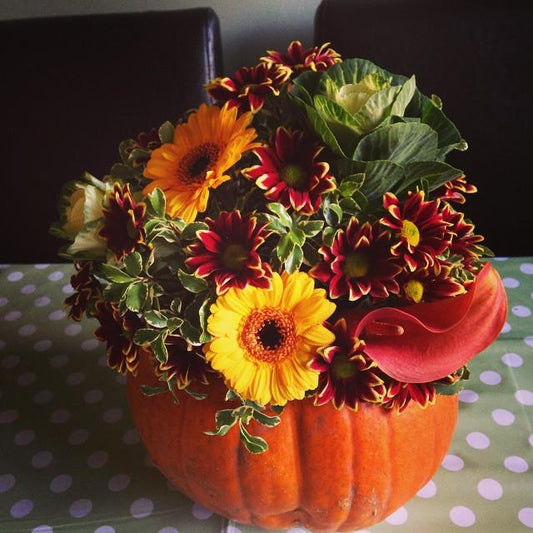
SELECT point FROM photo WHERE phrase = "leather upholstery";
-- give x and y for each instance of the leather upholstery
(72, 88)
(474, 54)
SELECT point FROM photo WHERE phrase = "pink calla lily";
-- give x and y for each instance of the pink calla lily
(425, 342)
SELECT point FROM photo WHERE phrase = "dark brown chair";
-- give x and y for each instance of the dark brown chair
(474, 55)
(72, 88)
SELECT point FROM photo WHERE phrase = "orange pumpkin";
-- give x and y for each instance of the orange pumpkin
(326, 469)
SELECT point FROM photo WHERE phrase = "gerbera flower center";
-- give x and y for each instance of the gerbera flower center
(414, 290)
(294, 176)
(234, 257)
(268, 335)
(410, 233)
(356, 265)
(194, 165)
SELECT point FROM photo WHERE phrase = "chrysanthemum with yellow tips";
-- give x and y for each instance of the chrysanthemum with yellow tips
(264, 339)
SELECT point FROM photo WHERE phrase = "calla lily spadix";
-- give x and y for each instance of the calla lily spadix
(424, 342)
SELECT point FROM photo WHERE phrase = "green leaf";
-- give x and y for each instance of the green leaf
(311, 227)
(252, 443)
(294, 261)
(115, 291)
(351, 184)
(225, 419)
(350, 206)
(278, 409)
(281, 213)
(145, 336)
(195, 394)
(266, 420)
(297, 236)
(189, 231)
(284, 247)
(166, 133)
(435, 172)
(323, 130)
(136, 296)
(156, 203)
(328, 235)
(275, 225)
(155, 319)
(159, 347)
(174, 323)
(332, 213)
(191, 282)
(380, 177)
(114, 274)
(133, 264)
(153, 391)
(190, 333)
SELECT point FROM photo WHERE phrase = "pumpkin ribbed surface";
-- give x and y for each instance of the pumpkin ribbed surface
(326, 469)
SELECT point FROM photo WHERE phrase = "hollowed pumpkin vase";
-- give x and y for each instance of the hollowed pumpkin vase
(325, 469)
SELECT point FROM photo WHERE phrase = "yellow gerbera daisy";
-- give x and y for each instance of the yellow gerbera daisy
(264, 339)
(203, 149)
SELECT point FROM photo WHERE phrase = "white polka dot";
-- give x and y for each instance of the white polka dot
(61, 483)
(200, 512)
(525, 397)
(56, 276)
(12, 316)
(131, 437)
(512, 359)
(526, 268)
(41, 266)
(141, 508)
(503, 417)
(453, 463)
(174, 530)
(80, 508)
(468, 396)
(59, 361)
(7, 482)
(530, 440)
(42, 301)
(28, 378)
(10, 361)
(521, 311)
(97, 459)
(398, 517)
(77, 437)
(3, 301)
(60, 416)
(43, 397)
(118, 482)
(73, 329)
(489, 377)
(462, 516)
(27, 330)
(90, 345)
(24, 437)
(21, 508)
(525, 516)
(428, 490)
(42, 529)
(57, 315)
(8, 416)
(506, 328)
(112, 415)
(478, 440)
(42, 459)
(300, 530)
(499, 259)
(104, 529)
(490, 489)
(75, 378)
(15, 276)
(28, 289)
(233, 529)
(42, 346)
(516, 464)
(510, 283)
(529, 340)
(67, 289)
(93, 396)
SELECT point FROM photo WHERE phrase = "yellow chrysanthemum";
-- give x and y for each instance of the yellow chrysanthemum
(264, 339)
(203, 149)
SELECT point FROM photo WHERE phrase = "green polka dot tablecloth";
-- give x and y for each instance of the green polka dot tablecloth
(71, 460)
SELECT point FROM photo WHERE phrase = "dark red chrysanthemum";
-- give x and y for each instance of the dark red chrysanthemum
(454, 191)
(142, 146)
(359, 263)
(399, 395)
(347, 375)
(123, 226)
(185, 364)
(430, 284)
(226, 253)
(419, 228)
(249, 87)
(299, 59)
(289, 171)
(87, 289)
(117, 332)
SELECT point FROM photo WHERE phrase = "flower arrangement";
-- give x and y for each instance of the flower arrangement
(299, 237)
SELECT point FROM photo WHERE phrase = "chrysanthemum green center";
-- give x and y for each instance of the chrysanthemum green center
(234, 257)
(356, 265)
(414, 290)
(343, 368)
(294, 176)
(194, 165)
(410, 233)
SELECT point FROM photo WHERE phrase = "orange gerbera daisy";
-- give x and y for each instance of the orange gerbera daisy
(203, 149)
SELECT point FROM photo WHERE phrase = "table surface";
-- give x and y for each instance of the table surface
(71, 460)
